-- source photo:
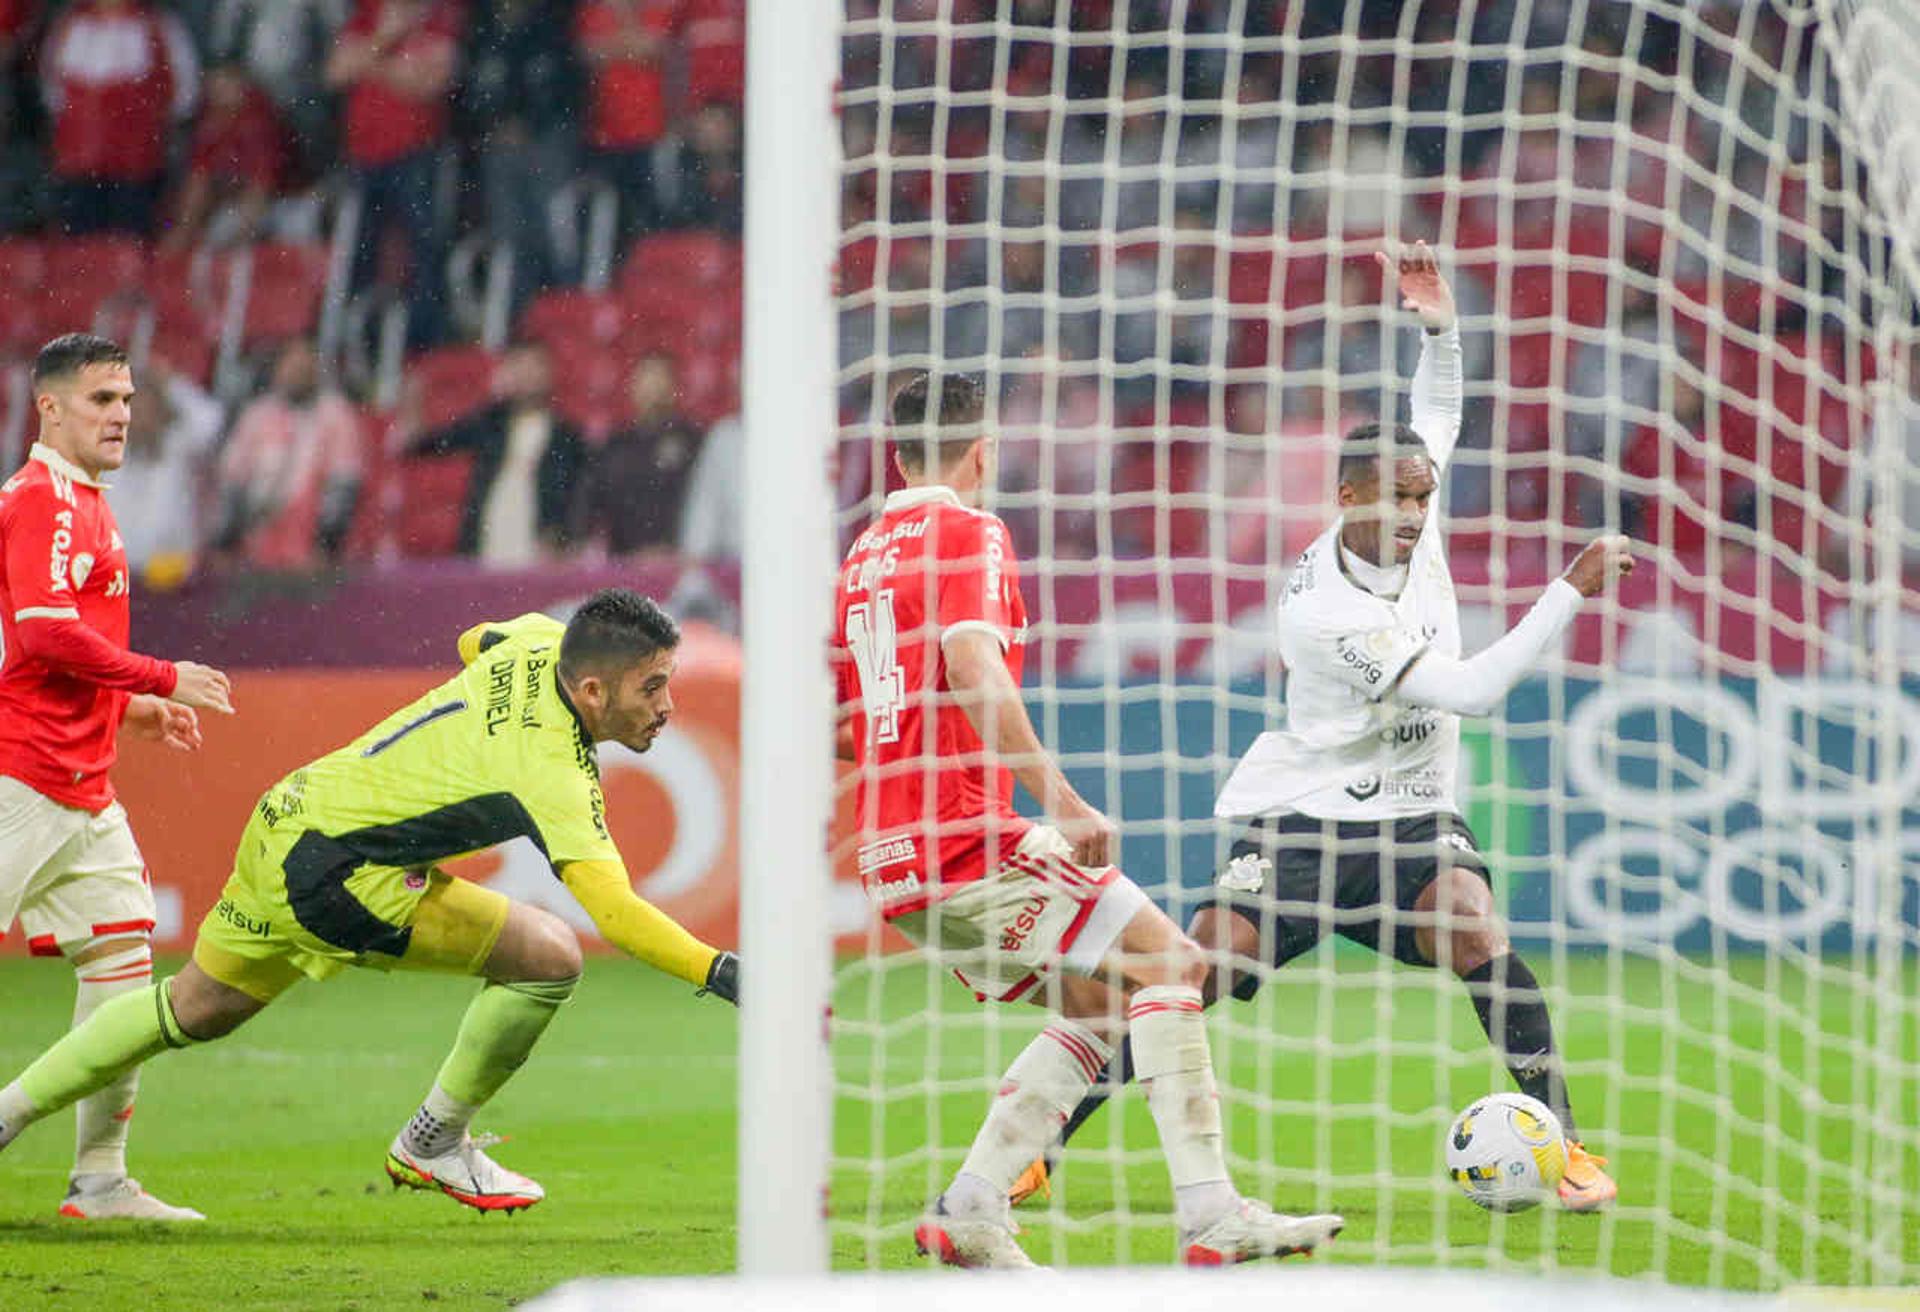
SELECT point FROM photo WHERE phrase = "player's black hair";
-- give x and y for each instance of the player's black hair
(941, 416)
(1373, 444)
(614, 629)
(67, 355)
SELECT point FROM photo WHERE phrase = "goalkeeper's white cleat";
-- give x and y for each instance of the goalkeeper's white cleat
(466, 1175)
(980, 1242)
(1252, 1231)
(123, 1200)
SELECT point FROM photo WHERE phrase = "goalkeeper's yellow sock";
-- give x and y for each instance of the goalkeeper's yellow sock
(100, 1119)
(498, 1032)
(118, 1036)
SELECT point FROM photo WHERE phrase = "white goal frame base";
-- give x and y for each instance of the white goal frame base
(1324, 1288)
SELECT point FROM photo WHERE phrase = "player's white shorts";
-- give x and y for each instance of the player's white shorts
(67, 874)
(1036, 913)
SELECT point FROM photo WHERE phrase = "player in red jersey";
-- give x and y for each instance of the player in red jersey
(69, 868)
(928, 633)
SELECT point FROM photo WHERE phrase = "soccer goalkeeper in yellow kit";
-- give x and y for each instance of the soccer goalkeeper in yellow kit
(338, 867)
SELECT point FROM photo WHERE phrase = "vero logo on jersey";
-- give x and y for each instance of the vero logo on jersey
(57, 552)
(80, 569)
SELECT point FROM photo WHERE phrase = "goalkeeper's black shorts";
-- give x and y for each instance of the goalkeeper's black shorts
(1353, 877)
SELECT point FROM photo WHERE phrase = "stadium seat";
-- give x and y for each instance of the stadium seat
(82, 272)
(590, 391)
(1544, 288)
(433, 495)
(453, 382)
(188, 292)
(652, 337)
(856, 265)
(187, 342)
(283, 299)
(701, 258)
(367, 535)
(678, 320)
(1250, 269)
(23, 266)
(20, 333)
(570, 318)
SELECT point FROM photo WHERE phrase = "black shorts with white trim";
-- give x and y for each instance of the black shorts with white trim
(1353, 877)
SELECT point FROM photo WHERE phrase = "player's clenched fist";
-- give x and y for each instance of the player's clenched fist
(202, 686)
(1603, 559)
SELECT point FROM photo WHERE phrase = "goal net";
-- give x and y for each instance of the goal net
(1684, 239)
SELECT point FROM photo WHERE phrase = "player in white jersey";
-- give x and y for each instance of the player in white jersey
(1353, 825)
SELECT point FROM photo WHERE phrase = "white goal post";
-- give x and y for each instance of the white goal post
(786, 580)
(1685, 238)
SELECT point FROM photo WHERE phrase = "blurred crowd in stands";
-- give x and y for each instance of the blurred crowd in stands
(1163, 246)
(275, 201)
(414, 278)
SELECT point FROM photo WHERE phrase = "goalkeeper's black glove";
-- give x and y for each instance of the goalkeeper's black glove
(723, 979)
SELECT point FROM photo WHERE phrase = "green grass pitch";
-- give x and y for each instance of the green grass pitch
(626, 1114)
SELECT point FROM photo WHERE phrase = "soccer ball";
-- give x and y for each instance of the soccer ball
(1506, 1152)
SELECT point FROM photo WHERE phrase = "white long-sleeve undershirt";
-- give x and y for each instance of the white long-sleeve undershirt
(1476, 686)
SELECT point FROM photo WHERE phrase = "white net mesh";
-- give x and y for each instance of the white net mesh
(1688, 312)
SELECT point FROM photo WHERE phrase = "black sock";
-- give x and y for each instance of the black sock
(1104, 1087)
(1513, 1011)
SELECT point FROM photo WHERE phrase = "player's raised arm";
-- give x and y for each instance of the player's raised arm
(1478, 685)
(977, 673)
(1437, 382)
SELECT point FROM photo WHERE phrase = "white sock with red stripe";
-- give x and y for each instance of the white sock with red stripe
(1042, 1087)
(1172, 1062)
(100, 1119)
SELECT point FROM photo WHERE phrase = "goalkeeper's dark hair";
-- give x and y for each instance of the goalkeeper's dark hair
(68, 354)
(614, 630)
(933, 414)
(1374, 444)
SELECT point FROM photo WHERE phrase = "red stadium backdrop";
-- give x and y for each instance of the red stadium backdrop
(674, 812)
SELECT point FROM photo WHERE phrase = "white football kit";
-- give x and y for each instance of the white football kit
(1351, 749)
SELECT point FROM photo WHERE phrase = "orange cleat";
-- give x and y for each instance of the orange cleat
(1585, 1187)
(1033, 1183)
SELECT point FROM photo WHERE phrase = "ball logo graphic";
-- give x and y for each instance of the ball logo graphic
(1530, 1128)
(1506, 1152)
